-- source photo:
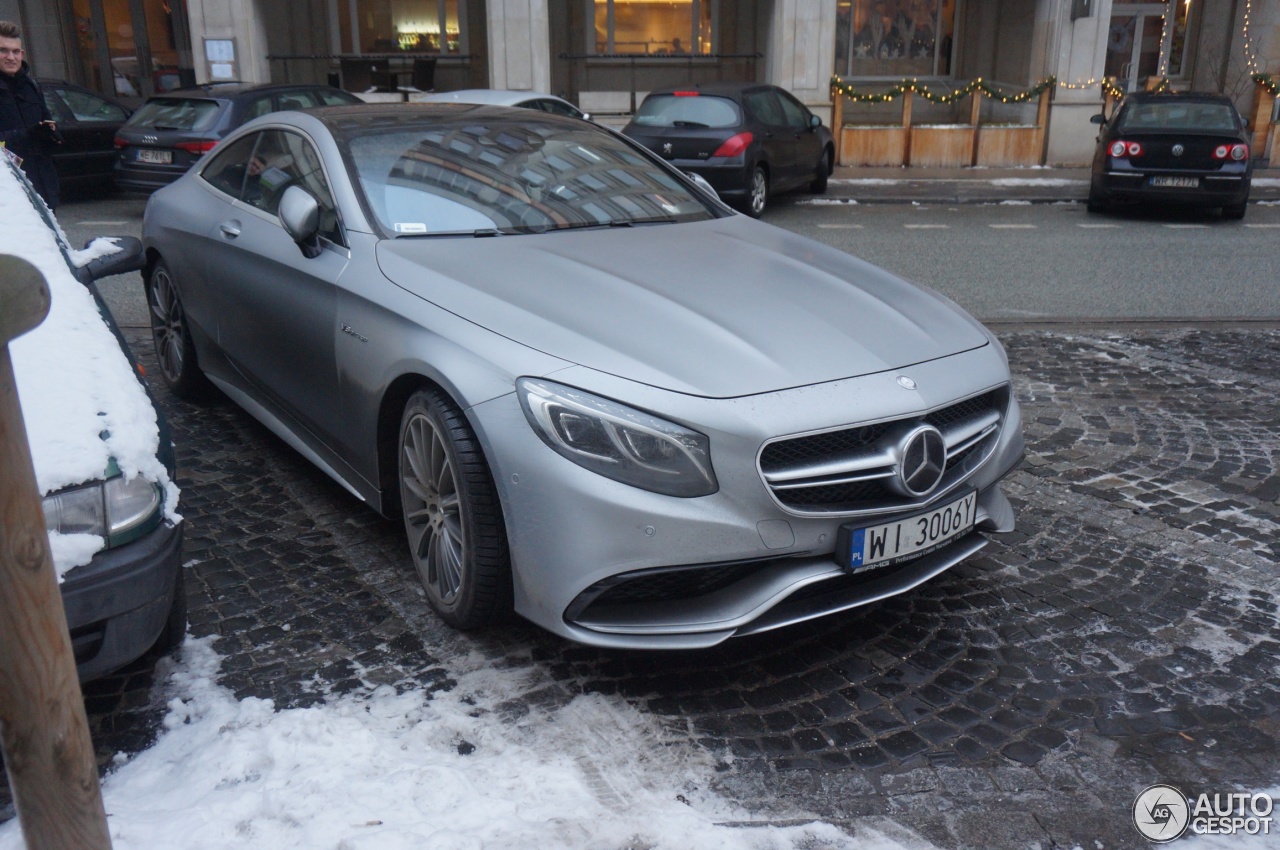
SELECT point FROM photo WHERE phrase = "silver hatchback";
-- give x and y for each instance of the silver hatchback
(595, 394)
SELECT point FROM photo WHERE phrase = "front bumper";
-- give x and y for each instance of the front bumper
(117, 604)
(573, 532)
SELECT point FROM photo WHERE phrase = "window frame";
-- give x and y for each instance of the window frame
(695, 12)
(933, 73)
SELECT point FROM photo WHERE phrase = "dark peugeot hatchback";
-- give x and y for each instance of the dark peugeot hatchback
(170, 132)
(749, 141)
(1184, 149)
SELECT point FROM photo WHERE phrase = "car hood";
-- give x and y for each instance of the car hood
(719, 309)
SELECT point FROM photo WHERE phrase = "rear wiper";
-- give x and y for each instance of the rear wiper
(689, 124)
(164, 127)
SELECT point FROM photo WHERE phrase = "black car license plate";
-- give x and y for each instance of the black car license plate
(1176, 182)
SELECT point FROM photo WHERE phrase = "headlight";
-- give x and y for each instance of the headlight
(617, 441)
(117, 510)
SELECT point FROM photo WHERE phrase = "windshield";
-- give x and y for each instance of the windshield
(1205, 117)
(176, 113)
(669, 110)
(500, 175)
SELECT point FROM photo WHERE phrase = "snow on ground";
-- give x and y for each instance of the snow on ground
(74, 383)
(1035, 181)
(1266, 182)
(454, 770)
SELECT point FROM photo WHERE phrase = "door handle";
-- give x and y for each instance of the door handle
(230, 229)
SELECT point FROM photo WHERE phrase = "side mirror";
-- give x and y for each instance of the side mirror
(701, 183)
(300, 217)
(815, 121)
(128, 257)
(1097, 119)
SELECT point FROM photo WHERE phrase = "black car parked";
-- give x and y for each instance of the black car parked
(748, 140)
(88, 122)
(171, 131)
(1185, 149)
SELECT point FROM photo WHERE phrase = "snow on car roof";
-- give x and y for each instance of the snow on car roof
(81, 402)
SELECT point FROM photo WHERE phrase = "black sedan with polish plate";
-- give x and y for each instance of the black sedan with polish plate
(1183, 149)
(748, 140)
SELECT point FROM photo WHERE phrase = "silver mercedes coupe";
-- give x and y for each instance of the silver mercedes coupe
(597, 396)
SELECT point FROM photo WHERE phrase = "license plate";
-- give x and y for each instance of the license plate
(894, 542)
(155, 157)
(1177, 182)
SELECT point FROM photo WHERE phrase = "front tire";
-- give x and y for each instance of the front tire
(757, 192)
(819, 184)
(174, 349)
(452, 516)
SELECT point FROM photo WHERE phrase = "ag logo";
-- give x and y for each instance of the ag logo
(1161, 813)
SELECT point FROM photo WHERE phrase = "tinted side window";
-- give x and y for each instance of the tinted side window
(89, 108)
(297, 100)
(284, 159)
(796, 115)
(335, 98)
(555, 107)
(261, 106)
(227, 170)
(764, 105)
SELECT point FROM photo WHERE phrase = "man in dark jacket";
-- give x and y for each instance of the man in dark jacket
(27, 128)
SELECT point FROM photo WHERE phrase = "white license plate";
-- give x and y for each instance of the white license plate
(1177, 182)
(155, 157)
(895, 542)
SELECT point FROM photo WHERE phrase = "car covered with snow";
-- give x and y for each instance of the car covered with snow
(103, 458)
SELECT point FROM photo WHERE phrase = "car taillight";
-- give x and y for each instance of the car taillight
(735, 145)
(196, 147)
(1236, 152)
(120, 142)
(1120, 148)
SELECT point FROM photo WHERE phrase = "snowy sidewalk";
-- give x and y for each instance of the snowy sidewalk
(986, 185)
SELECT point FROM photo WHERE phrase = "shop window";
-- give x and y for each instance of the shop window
(653, 27)
(402, 26)
(894, 38)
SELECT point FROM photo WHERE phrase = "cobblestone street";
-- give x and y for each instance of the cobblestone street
(1126, 634)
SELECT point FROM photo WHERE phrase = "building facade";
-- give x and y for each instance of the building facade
(605, 54)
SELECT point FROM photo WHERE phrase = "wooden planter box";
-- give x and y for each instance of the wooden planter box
(1009, 146)
(872, 145)
(942, 147)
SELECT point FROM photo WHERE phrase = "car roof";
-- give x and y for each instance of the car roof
(1179, 97)
(719, 89)
(358, 116)
(231, 90)
(498, 97)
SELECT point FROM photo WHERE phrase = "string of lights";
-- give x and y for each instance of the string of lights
(842, 88)
(1268, 82)
(1250, 55)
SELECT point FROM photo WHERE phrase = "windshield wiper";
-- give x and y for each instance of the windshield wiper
(486, 231)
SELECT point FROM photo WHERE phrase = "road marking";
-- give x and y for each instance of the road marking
(1262, 225)
(1082, 224)
(840, 226)
(1187, 226)
(99, 223)
(927, 226)
(1013, 226)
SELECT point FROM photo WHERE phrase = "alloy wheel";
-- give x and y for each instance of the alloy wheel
(168, 325)
(433, 510)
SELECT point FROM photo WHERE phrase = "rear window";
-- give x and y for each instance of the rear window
(177, 113)
(667, 110)
(1211, 117)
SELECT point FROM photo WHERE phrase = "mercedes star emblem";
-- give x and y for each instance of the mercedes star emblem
(922, 460)
(1178, 149)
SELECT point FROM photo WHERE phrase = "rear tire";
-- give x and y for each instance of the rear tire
(1095, 204)
(819, 184)
(757, 192)
(174, 349)
(452, 516)
(1235, 212)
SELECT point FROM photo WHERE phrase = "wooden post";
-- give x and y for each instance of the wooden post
(837, 120)
(1042, 122)
(1260, 120)
(43, 730)
(975, 120)
(906, 126)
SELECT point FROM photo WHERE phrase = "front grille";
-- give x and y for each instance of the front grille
(848, 470)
